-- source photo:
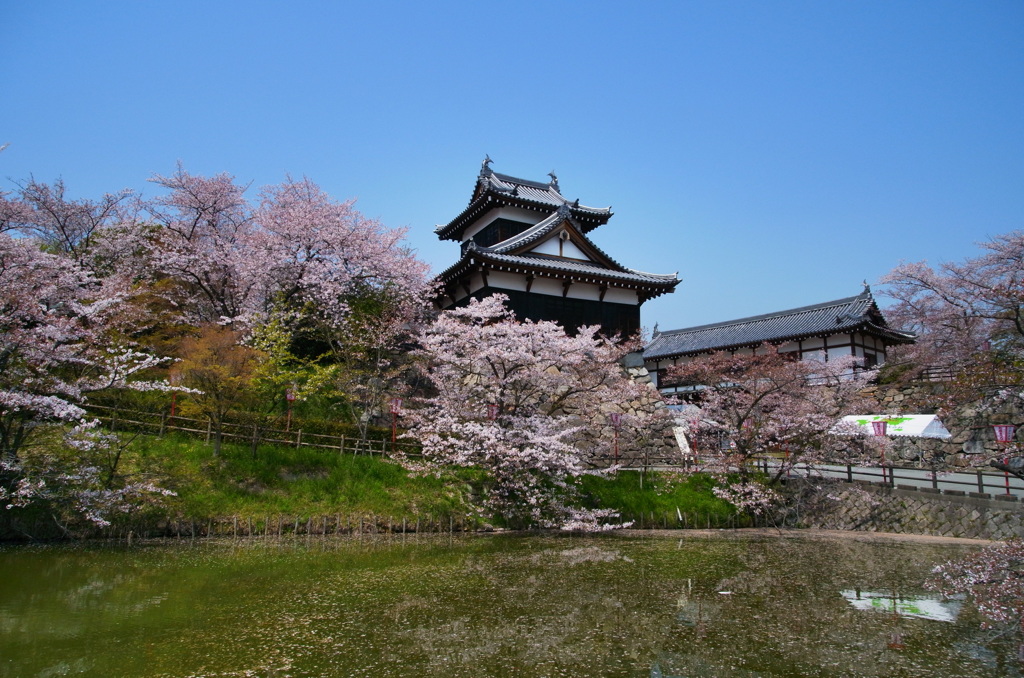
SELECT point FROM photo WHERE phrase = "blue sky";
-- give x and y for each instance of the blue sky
(776, 154)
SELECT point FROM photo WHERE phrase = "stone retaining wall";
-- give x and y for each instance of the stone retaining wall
(971, 425)
(868, 508)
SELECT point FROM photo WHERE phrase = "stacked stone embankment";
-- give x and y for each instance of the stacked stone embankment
(878, 509)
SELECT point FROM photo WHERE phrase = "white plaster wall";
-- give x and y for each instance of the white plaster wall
(584, 291)
(549, 247)
(835, 353)
(507, 281)
(618, 295)
(547, 286)
(570, 250)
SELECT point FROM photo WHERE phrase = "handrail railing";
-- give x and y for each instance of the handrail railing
(974, 482)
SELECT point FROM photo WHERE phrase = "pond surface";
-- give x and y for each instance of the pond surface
(613, 605)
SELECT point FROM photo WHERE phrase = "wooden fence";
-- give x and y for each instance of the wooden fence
(282, 526)
(159, 423)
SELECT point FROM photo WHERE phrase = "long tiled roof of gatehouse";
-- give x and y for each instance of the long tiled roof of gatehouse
(859, 313)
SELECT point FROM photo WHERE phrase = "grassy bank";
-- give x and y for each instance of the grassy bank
(285, 480)
(285, 485)
(652, 498)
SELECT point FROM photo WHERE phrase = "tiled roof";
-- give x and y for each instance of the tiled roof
(859, 313)
(534, 233)
(494, 189)
(534, 191)
(576, 266)
(560, 268)
(537, 232)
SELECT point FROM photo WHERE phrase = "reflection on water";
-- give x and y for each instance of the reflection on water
(923, 607)
(611, 605)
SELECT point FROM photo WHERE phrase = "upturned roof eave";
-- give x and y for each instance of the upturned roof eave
(626, 279)
(589, 217)
(517, 245)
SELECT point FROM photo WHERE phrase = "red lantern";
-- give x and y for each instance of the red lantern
(396, 406)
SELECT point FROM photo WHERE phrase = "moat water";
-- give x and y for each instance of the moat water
(682, 604)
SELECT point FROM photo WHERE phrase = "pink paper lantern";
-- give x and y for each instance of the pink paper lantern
(1004, 432)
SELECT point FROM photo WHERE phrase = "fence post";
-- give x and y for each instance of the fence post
(981, 482)
(935, 480)
(163, 421)
(298, 439)
(849, 473)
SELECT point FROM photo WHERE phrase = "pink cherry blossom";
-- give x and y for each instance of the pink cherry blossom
(523, 402)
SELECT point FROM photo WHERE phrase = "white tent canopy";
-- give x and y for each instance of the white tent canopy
(909, 425)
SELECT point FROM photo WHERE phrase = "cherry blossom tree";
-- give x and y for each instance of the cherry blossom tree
(77, 228)
(993, 580)
(969, 318)
(517, 400)
(343, 286)
(57, 345)
(962, 310)
(54, 344)
(325, 253)
(296, 251)
(203, 239)
(75, 481)
(766, 404)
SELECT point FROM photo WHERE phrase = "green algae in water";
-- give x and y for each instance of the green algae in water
(610, 605)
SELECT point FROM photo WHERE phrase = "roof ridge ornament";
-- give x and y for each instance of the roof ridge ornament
(554, 180)
(485, 166)
(563, 210)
